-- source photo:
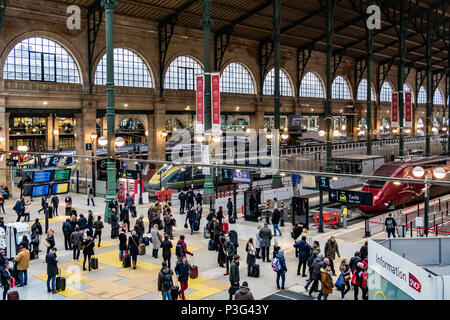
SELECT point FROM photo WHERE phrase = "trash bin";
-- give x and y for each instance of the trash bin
(401, 231)
(420, 223)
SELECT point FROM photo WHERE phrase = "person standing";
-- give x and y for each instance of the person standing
(90, 195)
(346, 274)
(221, 257)
(280, 263)
(165, 281)
(35, 245)
(88, 252)
(390, 224)
(140, 226)
(357, 279)
(191, 217)
(26, 211)
(68, 202)
(50, 240)
(23, 262)
(90, 221)
(190, 198)
(234, 275)
(251, 258)
(166, 246)
(182, 198)
(230, 251)
(276, 216)
(133, 246)
(199, 198)
(315, 274)
(129, 203)
(5, 277)
(67, 231)
(125, 216)
(295, 234)
(303, 249)
(243, 293)
(18, 208)
(327, 281)
(181, 248)
(156, 240)
(169, 223)
(55, 203)
(76, 238)
(2, 203)
(52, 270)
(182, 270)
(215, 232)
(265, 234)
(123, 247)
(98, 226)
(230, 210)
(82, 223)
(331, 248)
(258, 242)
(219, 215)
(114, 225)
(364, 250)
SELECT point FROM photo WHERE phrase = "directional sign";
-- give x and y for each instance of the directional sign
(323, 183)
(351, 197)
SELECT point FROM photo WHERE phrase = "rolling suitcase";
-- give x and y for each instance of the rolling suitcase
(68, 211)
(225, 227)
(60, 282)
(13, 295)
(126, 263)
(141, 249)
(174, 291)
(94, 263)
(50, 212)
(255, 271)
(194, 270)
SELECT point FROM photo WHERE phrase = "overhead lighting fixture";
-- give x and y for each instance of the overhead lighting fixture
(45, 103)
(102, 141)
(120, 142)
(322, 133)
(164, 134)
(200, 138)
(125, 105)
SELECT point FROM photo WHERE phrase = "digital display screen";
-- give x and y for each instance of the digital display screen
(61, 175)
(60, 188)
(41, 176)
(40, 191)
(242, 176)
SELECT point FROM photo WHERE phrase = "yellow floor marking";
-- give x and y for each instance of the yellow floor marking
(85, 296)
(131, 294)
(191, 249)
(70, 277)
(101, 282)
(108, 290)
(139, 274)
(80, 264)
(143, 285)
(105, 244)
(111, 258)
(202, 293)
(216, 284)
(198, 279)
(70, 292)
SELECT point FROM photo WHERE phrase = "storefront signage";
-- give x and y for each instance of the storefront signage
(215, 102)
(394, 110)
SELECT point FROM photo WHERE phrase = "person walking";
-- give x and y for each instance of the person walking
(234, 276)
(303, 249)
(327, 281)
(251, 257)
(191, 218)
(52, 270)
(165, 281)
(90, 222)
(125, 216)
(133, 246)
(258, 242)
(76, 238)
(90, 195)
(229, 250)
(88, 252)
(182, 270)
(390, 224)
(98, 226)
(295, 234)
(331, 249)
(114, 225)
(357, 279)
(310, 262)
(279, 265)
(123, 247)
(18, 208)
(156, 240)
(67, 231)
(190, 198)
(230, 211)
(364, 250)
(345, 280)
(181, 248)
(166, 246)
(5, 277)
(140, 227)
(316, 274)
(23, 262)
(265, 234)
(354, 261)
(50, 240)
(244, 292)
(276, 216)
(55, 204)
(199, 198)
(182, 198)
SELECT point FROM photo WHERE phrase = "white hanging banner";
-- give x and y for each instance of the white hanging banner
(215, 102)
(200, 105)
(394, 110)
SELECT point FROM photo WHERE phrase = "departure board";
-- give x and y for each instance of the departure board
(41, 176)
(60, 188)
(60, 175)
(40, 191)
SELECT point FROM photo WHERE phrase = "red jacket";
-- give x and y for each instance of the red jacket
(184, 246)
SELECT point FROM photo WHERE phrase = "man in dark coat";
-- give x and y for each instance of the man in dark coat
(304, 250)
(55, 203)
(125, 216)
(52, 269)
(234, 276)
(182, 198)
(316, 274)
(230, 251)
(182, 271)
(190, 198)
(230, 210)
(276, 216)
(266, 236)
(199, 198)
(166, 245)
(67, 231)
(36, 227)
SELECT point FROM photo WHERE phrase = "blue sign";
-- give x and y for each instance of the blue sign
(40, 191)
(242, 176)
(41, 176)
(323, 183)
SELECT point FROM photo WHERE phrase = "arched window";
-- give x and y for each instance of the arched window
(362, 91)
(129, 70)
(311, 86)
(386, 92)
(407, 88)
(285, 84)
(422, 98)
(40, 59)
(340, 88)
(236, 79)
(438, 98)
(181, 74)
(362, 123)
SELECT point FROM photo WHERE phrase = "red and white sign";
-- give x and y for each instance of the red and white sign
(215, 102)
(200, 105)
(394, 110)
(408, 109)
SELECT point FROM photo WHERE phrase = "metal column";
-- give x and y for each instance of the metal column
(111, 165)
(401, 76)
(206, 23)
(276, 179)
(369, 56)
(330, 14)
(429, 85)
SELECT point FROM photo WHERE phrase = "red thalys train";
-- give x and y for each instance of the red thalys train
(386, 193)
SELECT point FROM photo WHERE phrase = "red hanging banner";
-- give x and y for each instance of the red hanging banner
(394, 110)
(215, 102)
(408, 109)
(200, 105)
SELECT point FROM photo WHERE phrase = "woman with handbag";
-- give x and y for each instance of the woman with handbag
(50, 240)
(251, 258)
(88, 251)
(345, 280)
(295, 234)
(156, 240)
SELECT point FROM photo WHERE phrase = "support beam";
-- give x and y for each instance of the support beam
(303, 56)
(401, 72)
(369, 57)
(276, 179)
(3, 5)
(94, 22)
(264, 56)
(429, 39)
(109, 6)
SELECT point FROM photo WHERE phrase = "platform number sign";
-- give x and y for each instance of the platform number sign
(323, 183)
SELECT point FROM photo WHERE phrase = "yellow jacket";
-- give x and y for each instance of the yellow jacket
(23, 259)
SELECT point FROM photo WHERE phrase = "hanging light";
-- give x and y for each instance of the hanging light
(285, 136)
(336, 134)
(164, 134)
(395, 130)
(22, 148)
(102, 141)
(146, 133)
(93, 136)
(408, 131)
(248, 130)
(418, 172)
(120, 142)
(269, 135)
(322, 133)
(439, 173)
(216, 139)
(200, 138)
(2, 138)
(56, 132)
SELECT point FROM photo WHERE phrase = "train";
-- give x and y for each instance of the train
(390, 195)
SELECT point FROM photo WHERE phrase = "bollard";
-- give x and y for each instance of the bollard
(78, 181)
(367, 229)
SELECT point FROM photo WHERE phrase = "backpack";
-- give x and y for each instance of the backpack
(179, 250)
(167, 281)
(91, 191)
(276, 265)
